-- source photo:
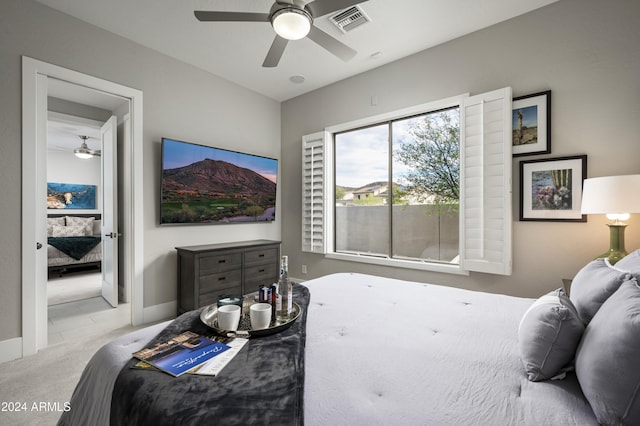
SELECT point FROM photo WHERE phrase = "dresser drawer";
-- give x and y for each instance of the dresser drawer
(220, 262)
(261, 274)
(261, 256)
(221, 281)
(212, 297)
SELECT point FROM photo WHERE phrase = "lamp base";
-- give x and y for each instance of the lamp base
(616, 243)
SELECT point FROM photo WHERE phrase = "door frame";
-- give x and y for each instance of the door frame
(34, 321)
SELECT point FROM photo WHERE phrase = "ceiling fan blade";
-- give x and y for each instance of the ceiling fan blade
(322, 7)
(334, 46)
(275, 52)
(206, 16)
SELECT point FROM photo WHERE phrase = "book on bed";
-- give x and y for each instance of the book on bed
(181, 353)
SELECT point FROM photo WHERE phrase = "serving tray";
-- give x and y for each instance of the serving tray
(209, 317)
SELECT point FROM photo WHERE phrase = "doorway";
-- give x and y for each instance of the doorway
(39, 80)
(78, 260)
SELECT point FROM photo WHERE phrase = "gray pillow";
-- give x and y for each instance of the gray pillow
(592, 285)
(548, 335)
(630, 263)
(607, 358)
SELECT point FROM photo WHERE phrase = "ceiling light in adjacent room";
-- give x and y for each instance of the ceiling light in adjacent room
(83, 152)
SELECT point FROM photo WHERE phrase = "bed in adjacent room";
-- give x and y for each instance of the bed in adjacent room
(73, 242)
(374, 350)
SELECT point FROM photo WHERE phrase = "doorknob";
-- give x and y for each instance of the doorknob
(113, 235)
(38, 246)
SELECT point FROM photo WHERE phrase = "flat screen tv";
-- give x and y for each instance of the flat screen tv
(206, 185)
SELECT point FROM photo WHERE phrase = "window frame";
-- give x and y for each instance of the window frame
(503, 130)
(426, 265)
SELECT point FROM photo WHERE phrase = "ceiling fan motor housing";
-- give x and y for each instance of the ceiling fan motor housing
(290, 20)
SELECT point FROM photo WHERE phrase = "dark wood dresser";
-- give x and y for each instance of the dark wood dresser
(208, 271)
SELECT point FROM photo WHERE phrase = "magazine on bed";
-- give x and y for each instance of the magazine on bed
(181, 353)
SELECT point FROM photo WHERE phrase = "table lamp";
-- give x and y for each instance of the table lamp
(617, 197)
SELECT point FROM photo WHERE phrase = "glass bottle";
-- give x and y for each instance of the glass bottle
(286, 290)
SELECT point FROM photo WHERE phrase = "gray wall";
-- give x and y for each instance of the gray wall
(584, 51)
(180, 101)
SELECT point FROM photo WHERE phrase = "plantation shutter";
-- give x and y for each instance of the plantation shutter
(485, 176)
(314, 225)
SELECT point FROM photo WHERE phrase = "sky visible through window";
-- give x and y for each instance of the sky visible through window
(362, 156)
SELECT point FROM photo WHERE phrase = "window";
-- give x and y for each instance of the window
(427, 187)
(396, 188)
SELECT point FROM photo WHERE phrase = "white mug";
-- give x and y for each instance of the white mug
(229, 317)
(260, 315)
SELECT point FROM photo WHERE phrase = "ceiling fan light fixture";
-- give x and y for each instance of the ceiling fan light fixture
(291, 23)
(83, 152)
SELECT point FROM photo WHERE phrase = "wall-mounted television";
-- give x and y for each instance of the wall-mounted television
(206, 185)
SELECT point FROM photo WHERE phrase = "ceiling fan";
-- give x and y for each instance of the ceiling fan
(291, 20)
(84, 152)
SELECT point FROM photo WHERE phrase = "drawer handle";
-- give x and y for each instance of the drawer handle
(222, 261)
(222, 278)
(261, 255)
(261, 270)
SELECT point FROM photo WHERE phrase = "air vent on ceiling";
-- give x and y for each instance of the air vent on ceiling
(350, 18)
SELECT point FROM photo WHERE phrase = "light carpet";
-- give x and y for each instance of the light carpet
(38, 386)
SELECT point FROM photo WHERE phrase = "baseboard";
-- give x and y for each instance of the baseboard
(163, 311)
(10, 349)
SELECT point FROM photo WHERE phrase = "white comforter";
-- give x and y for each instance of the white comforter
(387, 352)
(382, 351)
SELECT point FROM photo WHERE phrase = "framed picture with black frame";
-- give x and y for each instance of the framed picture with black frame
(551, 189)
(531, 123)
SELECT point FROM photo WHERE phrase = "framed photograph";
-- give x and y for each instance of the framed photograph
(531, 124)
(551, 189)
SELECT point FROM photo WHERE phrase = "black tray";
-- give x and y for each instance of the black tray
(209, 317)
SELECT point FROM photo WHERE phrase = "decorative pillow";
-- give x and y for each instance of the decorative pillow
(592, 285)
(630, 263)
(607, 358)
(60, 221)
(68, 231)
(549, 333)
(86, 222)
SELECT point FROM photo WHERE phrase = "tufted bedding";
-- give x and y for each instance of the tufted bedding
(385, 351)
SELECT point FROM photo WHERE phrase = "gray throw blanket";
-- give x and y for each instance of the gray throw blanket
(262, 385)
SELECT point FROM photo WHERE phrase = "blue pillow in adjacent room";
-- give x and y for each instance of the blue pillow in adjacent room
(608, 356)
(592, 285)
(548, 335)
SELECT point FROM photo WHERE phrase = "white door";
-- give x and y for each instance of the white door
(109, 212)
(40, 208)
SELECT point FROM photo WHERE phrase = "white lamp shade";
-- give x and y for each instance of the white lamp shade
(292, 24)
(611, 194)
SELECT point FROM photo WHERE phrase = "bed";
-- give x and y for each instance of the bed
(73, 242)
(385, 351)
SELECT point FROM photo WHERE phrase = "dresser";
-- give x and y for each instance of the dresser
(208, 271)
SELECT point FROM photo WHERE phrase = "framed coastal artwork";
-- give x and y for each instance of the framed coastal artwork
(551, 189)
(531, 122)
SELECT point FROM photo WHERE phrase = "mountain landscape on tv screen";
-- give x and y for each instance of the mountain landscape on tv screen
(216, 191)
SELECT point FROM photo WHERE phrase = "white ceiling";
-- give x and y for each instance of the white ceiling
(236, 50)
(63, 132)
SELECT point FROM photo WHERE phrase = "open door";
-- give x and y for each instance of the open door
(109, 212)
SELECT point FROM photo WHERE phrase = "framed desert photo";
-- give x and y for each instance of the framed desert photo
(532, 124)
(551, 189)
